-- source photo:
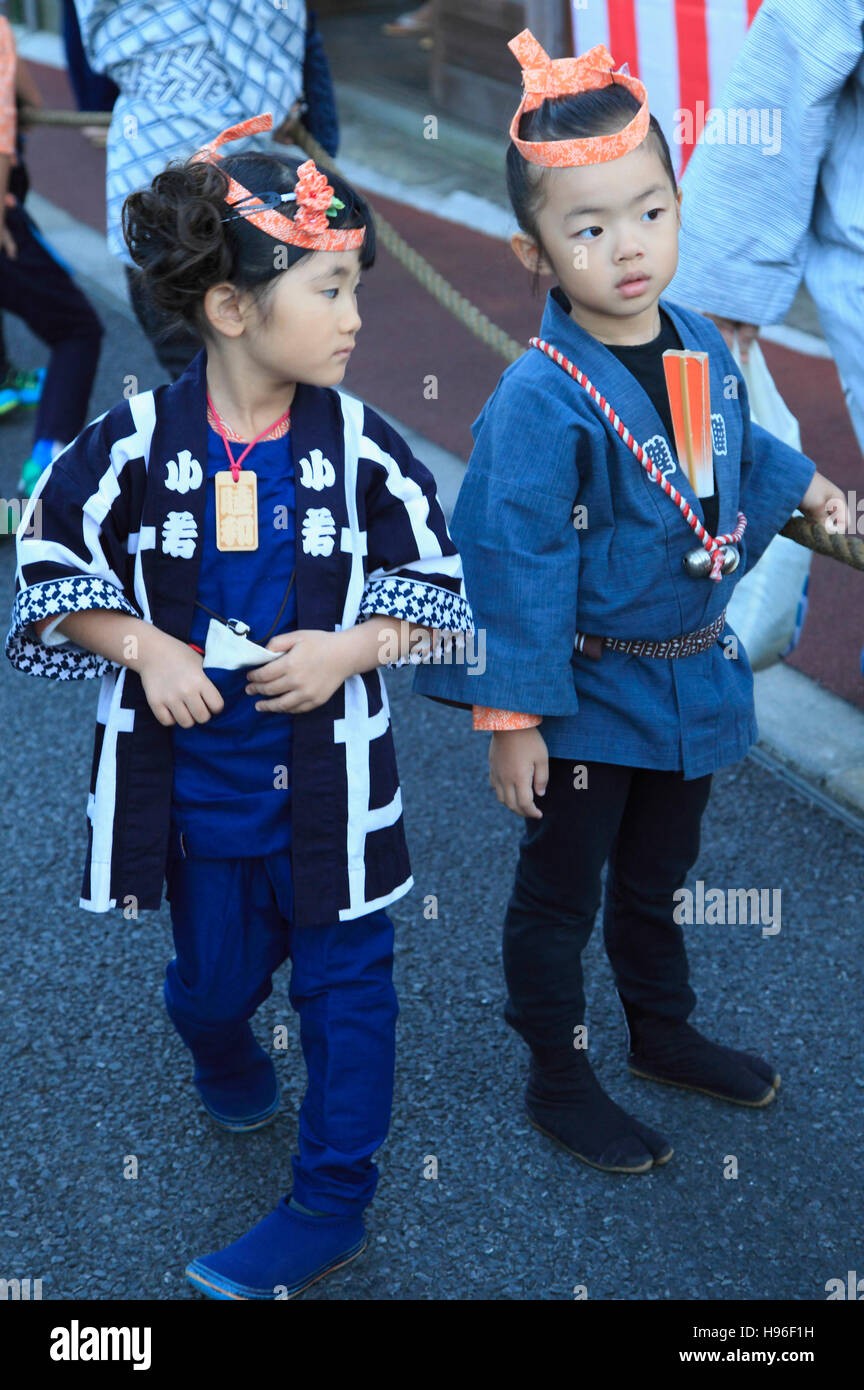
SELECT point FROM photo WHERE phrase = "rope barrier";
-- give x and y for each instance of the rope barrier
(38, 115)
(849, 550)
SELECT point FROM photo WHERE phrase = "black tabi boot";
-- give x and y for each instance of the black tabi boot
(671, 1051)
(565, 1101)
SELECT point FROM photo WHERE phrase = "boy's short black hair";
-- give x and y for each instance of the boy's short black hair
(599, 112)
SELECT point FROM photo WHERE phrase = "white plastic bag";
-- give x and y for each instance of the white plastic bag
(768, 607)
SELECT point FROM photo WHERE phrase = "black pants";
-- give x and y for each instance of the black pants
(35, 288)
(174, 347)
(646, 824)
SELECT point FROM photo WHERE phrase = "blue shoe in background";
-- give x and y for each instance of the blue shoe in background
(30, 386)
(284, 1254)
(8, 394)
(20, 388)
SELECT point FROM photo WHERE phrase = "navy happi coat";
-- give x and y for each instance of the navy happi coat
(115, 522)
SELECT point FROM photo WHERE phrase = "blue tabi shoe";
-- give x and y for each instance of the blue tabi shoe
(247, 1100)
(284, 1254)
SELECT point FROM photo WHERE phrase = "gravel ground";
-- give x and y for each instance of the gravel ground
(92, 1072)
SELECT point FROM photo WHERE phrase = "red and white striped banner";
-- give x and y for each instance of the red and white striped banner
(681, 49)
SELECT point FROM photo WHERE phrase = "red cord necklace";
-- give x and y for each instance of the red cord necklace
(237, 493)
(236, 465)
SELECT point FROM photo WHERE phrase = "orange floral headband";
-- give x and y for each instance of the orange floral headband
(544, 77)
(308, 227)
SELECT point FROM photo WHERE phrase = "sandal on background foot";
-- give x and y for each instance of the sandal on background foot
(96, 134)
(412, 24)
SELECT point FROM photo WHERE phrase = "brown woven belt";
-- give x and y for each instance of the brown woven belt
(685, 645)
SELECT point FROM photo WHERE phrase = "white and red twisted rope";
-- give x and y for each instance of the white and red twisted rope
(713, 544)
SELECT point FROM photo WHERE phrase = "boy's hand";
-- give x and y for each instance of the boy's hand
(314, 665)
(177, 690)
(518, 761)
(824, 502)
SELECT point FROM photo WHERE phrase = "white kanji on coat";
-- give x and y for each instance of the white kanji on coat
(319, 530)
(657, 449)
(183, 473)
(317, 471)
(179, 534)
(718, 432)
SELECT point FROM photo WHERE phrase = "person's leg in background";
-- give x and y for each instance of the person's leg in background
(93, 90)
(8, 393)
(549, 919)
(39, 290)
(18, 385)
(656, 846)
(174, 347)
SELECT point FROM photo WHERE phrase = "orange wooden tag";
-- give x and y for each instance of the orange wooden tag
(237, 510)
(687, 382)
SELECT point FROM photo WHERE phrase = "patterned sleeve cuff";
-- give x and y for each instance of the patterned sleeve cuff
(427, 605)
(422, 605)
(57, 598)
(499, 720)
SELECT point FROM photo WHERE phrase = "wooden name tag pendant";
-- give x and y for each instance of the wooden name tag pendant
(237, 510)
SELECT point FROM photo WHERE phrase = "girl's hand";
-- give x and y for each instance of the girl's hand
(313, 667)
(824, 502)
(518, 761)
(177, 690)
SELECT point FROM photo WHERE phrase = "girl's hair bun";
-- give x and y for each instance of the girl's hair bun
(177, 233)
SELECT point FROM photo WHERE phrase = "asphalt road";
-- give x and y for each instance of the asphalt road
(91, 1071)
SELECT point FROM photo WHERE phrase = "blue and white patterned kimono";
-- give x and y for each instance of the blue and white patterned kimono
(187, 70)
(536, 574)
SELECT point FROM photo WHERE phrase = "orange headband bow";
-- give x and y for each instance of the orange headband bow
(545, 77)
(309, 227)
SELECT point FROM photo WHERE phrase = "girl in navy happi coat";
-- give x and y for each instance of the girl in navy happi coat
(610, 680)
(260, 573)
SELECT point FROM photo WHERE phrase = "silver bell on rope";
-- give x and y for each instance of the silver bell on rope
(698, 562)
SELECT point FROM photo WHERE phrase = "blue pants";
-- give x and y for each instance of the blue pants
(233, 926)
